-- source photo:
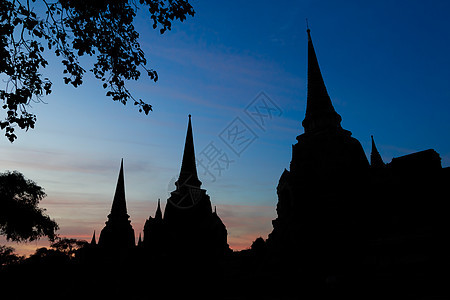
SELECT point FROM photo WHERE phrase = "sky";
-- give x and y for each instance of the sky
(385, 64)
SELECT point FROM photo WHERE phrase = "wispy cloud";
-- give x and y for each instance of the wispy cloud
(222, 71)
(245, 223)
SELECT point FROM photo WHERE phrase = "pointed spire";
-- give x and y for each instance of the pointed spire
(375, 158)
(118, 232)
(320, 113)
(158, 214)
(188, 172)
(93, 241)
(119, 206)
(140, 240)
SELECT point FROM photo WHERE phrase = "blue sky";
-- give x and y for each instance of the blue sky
(385, 64)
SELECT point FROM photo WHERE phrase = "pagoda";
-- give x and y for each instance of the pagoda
(189, 225)
(317, 210)
(118, 232)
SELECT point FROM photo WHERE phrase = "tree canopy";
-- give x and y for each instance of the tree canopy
(68, 246)
(8, 256)
(20, 217)
(73, 28)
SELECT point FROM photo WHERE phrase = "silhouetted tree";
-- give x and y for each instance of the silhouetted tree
(68, 246)
(45, 256)
(8, 256)
(20, 217)
(74, 28)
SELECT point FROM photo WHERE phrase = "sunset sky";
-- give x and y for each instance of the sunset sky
(386, 65)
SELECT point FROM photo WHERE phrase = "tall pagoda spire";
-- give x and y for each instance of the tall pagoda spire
(320, 113)
(118, 232)
(188, 173)
(375, 158)
(158, 213)
(119, 205)
(93, 240)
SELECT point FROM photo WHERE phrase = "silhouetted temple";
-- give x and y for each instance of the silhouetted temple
(118, 232)
(189, 225)
(346, 226)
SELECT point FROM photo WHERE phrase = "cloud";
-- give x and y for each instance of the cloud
(245, 223)
(31, 157)
(219, 71)
(25, 248)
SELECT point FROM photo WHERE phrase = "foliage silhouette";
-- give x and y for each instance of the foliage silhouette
(20, 217)
(45, 256)
(8, 256)
(68, 246)
(102, 28)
